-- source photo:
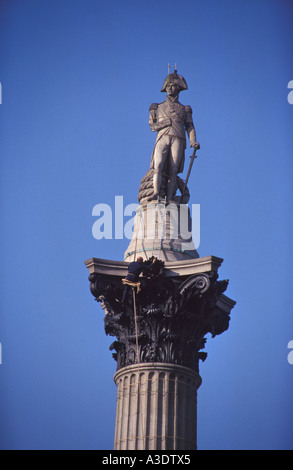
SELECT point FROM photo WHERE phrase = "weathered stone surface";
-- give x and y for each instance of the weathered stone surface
(156, 407)
(162, 230)
(185, 267)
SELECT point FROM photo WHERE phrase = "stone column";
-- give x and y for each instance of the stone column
(159, 340)
(156, 407)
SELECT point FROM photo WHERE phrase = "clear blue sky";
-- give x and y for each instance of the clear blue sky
(77, 81)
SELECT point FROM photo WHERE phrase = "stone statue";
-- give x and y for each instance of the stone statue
(171, 120)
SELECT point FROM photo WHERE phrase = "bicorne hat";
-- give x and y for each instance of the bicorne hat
(175, 78)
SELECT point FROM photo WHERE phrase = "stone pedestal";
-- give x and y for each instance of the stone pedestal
(156, 407)
(162, 230)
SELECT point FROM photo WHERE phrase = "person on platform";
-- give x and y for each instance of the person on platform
(135, 268)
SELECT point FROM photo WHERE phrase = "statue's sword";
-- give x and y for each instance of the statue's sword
(193, 156)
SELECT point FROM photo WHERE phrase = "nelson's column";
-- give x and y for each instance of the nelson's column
(163, 299)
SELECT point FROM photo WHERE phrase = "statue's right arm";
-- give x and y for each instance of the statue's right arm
(156, 121)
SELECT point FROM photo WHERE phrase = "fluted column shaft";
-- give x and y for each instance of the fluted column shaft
(156, 407)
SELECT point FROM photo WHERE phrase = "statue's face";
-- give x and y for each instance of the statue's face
(172, 89)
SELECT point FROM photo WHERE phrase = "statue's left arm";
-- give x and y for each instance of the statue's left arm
(190, 128)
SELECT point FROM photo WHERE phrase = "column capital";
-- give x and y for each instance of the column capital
(172, 315)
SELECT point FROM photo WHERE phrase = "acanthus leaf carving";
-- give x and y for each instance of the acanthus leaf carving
(173, 316)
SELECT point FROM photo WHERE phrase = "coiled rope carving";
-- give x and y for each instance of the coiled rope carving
(146, 189)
